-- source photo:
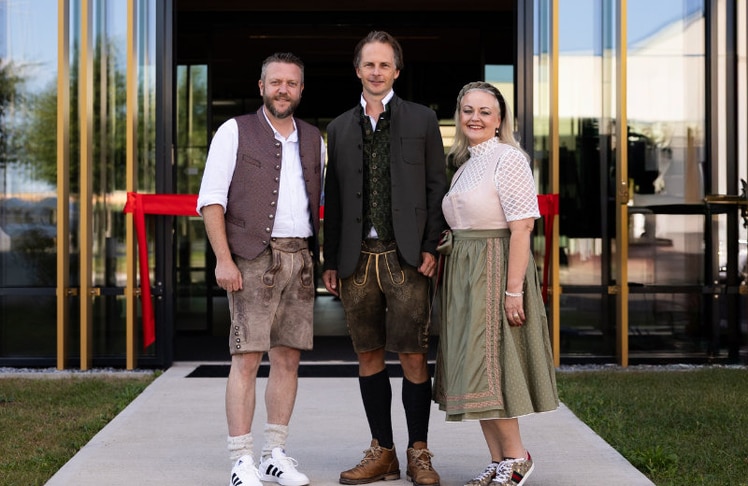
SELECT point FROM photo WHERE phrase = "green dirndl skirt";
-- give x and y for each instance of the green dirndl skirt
(486, 368)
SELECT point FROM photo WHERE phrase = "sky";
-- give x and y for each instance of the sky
(30, 32)
(578, 20)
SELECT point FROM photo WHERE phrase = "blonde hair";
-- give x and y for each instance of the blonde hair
(458, 154)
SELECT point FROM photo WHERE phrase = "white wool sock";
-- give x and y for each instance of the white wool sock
(240, 445)
(275, 436)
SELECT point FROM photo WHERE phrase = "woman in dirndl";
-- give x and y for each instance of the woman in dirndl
(494, 362)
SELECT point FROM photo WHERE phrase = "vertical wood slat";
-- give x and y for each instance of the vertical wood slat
(622, 199)
(63, 183)
(131, 183)
(85, 107)
(555, 294)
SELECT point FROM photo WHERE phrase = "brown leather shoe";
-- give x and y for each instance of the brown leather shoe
(378, 464)
(420, 470)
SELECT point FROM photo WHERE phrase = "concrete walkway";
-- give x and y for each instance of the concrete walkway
(174, 434)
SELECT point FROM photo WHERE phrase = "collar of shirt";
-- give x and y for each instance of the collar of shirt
(294, 137)
(385, 100)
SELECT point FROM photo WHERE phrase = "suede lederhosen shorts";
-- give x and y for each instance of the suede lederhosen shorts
(276, 304)
(386, 301)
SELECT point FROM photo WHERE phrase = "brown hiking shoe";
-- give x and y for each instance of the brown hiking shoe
(420, 470)
(378, 464)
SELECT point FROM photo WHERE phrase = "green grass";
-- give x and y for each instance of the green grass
(677, 427)
(45, 421)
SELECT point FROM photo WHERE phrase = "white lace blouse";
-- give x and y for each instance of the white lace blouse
(494, 186)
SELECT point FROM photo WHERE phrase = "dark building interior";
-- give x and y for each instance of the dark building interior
(446, 45)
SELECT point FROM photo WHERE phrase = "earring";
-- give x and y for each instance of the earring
(497, 131)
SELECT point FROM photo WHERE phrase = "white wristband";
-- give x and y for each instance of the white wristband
(513, 294)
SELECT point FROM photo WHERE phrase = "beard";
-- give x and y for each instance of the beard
(268, 101)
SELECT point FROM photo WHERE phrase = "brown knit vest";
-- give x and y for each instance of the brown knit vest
(253, 193)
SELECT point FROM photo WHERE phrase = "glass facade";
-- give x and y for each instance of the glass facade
(686, 133)
(669, 174)
(96, 177)
(28, 199)
(195, 297)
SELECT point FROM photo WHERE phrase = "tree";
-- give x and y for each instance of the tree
(10, 81)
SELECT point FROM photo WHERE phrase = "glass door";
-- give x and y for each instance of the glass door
(201, 311)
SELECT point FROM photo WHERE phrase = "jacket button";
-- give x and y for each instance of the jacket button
(275, 191)
(270, 216)
(267, 230)
(272, 203)
(358, 194)
(264, 242)
(277, 179)
(278, 167)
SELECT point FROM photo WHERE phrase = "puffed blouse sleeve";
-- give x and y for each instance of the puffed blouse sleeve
(516, 186)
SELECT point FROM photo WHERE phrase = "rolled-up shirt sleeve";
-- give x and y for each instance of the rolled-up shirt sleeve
(219, 166)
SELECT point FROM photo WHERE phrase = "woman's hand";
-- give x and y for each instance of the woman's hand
(514, 309)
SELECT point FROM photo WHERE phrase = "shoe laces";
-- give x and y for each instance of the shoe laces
(287, 462)
(488, 473)
(371, 454)
(422, 458)
(505, 469)
(503, 472)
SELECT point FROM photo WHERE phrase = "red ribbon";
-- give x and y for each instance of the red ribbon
(163, 204)
(548, 205)
(185, 205)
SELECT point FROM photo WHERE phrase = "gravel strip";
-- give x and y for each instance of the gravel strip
(668, 367)
(6, 372)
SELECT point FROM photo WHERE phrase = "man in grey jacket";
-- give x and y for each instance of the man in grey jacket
(383, 191)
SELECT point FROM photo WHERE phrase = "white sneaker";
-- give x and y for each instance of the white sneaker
(280, 468)
(244, 473)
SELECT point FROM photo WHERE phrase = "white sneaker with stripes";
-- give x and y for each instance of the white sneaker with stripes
(280, 468)
(244, 473)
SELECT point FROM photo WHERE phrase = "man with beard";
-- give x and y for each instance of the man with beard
(259, 199)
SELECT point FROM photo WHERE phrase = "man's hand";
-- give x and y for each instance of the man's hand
(428, 264)
(330, 279)
(228, 276)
